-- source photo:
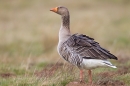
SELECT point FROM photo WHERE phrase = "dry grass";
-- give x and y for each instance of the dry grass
(29, 36)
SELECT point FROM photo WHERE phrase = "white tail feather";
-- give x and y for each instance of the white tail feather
(109, 64)
(93, 63)
(112, 66)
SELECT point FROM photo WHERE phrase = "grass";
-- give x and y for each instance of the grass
(29, 37)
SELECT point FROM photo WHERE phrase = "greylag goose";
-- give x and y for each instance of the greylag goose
(79, 49)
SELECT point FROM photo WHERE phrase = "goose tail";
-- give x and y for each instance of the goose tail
(109, 64)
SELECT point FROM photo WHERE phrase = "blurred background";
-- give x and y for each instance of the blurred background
(29, 31)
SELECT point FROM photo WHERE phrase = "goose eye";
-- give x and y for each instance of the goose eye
(59, 7)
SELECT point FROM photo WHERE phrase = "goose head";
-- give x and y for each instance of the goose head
(63, 11)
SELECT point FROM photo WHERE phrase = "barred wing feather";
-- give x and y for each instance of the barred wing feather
(79, 47)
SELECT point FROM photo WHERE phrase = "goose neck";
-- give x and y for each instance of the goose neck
(66, 21)
(64, 32)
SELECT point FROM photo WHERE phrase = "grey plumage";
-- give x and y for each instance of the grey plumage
(79, 47)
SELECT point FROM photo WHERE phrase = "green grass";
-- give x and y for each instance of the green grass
(125, 78)
(29, 37)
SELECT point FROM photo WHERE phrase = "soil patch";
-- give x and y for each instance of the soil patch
(123, 70)
(49, 70)
(111, 83)
(7, 75)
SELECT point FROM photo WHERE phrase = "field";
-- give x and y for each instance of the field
(29, 37)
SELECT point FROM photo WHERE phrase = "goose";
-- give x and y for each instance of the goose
(80, 50)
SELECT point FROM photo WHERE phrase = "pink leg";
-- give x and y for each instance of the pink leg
(81, 75)
(90, 76)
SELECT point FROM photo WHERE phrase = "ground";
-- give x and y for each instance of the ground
(29, 37)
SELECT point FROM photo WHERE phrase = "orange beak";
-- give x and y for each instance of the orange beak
(54, 9)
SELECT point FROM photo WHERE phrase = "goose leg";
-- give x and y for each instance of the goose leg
(81, 76)
(90, 76)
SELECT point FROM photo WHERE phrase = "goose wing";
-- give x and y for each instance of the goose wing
(80, 46)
